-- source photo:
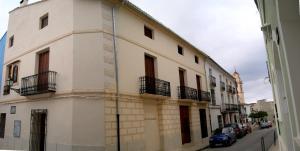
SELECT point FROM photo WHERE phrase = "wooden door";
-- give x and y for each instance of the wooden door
(38, 130)
(43, 70)
(150, 74)
(203, 123)
(182, 84)
(185, 124)
(198, 80)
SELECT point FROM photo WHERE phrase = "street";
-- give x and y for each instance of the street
(251, 142)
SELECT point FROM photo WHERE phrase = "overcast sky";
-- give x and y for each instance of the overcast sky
(227, 30)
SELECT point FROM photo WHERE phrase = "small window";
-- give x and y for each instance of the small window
(180, 50)
(2, 124)
(44, 21)
(148, 32)
(13, 110)
(196, 59)
(11, 41)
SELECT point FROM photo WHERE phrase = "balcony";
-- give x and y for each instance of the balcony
(44, 82)
(212, 81)
(229, 88)
(187, 93)
(231, 107)
(205, 96)
(154, 86)
(222, 85)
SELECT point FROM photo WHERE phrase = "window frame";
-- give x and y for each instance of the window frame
(11, 41)
(10, 68)
(148, 30)
(180, 50)
(42, 18)
(196, 59)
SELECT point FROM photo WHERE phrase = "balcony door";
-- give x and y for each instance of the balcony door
(182, 84)
(150, 74)
(185, 124)
(43, 70)
(198, 80)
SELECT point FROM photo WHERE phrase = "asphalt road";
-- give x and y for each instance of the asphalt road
(251, 142)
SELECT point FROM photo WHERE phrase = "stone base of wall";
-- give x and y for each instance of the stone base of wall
(134, 113)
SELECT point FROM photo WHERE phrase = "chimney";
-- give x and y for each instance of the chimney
(23, 2)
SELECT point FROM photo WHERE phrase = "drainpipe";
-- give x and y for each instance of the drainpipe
(117, 79)
(210, 95)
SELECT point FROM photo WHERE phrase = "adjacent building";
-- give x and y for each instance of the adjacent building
(280, 21)
(267, 106)
(224, 106)
(241, 97)
(2, 49)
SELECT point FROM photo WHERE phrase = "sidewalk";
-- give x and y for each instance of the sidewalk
(274, 147)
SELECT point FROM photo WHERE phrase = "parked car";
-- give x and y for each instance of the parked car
(269, 123)
(243, 129)
(225, 136)
(248, 127)
(237, 130)
(264, 125)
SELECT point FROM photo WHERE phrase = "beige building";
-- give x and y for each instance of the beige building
(87, 75)
(224, 106)
(267, 106)
(280, 21)
(241, 97)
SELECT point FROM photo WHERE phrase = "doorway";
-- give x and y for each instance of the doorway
(150, 74)
(203, 123)
(182, 84)
(43, 69)
(185, 124)
(38, 129)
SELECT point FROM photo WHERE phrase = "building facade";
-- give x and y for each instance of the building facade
(280, 21)
(224, 107)
(74, 82)
(267, 106)
(2, 49)
(241, 97)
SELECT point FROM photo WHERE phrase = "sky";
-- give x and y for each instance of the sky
(227, 30)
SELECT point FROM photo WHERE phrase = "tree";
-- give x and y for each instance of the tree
(258, 115)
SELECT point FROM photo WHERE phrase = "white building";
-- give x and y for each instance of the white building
(280, 21)
(224, 107)
(92, 74)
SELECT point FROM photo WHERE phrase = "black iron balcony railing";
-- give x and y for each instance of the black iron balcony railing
(37, 84)
(229, 88)
(187, 93)
(204, 96)
(213, 81)
(6, 90)
(232, 107)
(222, 85)
(154, 86)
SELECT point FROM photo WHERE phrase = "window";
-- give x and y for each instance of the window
(196, 59)
(148, 32)
(11, 41)
(13, 109)
(2, 124)
(44, 21)
(180, 50)
(13, 70)
(17, 128)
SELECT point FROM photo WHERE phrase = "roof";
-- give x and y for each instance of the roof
(219, 66)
